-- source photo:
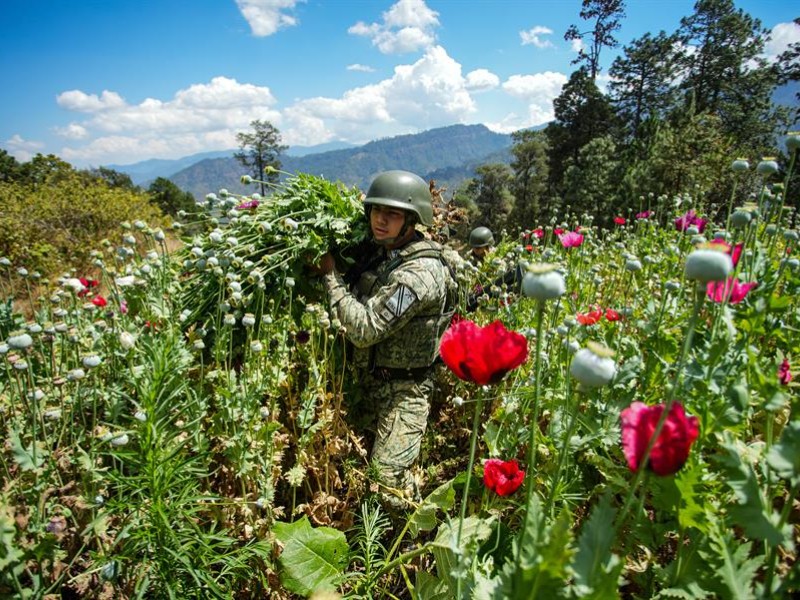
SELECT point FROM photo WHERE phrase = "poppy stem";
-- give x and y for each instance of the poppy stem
(473, 442)
(534, 427)
(641, 468)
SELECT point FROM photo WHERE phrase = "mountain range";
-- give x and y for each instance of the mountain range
(447, 154)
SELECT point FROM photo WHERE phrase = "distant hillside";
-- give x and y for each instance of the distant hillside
(452, 152)
(142, 173)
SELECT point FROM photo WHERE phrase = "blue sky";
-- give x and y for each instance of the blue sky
(110, 82)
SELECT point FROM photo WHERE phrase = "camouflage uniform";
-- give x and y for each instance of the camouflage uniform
(395, 317)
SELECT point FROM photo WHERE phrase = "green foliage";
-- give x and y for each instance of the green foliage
(596, 567)
(312, 557)
(56, 219)
(169, 197)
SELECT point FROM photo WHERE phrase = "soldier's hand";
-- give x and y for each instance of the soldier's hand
(325, 265)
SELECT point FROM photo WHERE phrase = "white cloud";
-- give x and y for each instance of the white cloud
(361, 68)
(21, 149)
(81, 102)
(783, 35)
(73, 131)
(428, 93)
(538, 90)
(267, 16)
(407, 26)
(197, 118)
(576, 44)
(481, 79)
(533, 37)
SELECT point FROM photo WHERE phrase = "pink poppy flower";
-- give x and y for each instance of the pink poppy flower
(785, 372)
(734, 291)
(671, 449)
(571, 239)
(690, 219)
(645, 214)
(735, 252)
(250, 204)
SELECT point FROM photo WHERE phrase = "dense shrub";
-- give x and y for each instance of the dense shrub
(55, 224)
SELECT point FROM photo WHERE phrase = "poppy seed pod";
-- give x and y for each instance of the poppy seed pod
(767, 166)
(20, 342)
(593, 366)
(543, 282)
(790, 235)
(740, 218)
(633, 265)
(740, 165)
(706, 264)
(793, 141)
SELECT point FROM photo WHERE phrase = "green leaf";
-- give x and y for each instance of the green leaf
(784, 457)
(474, 532)
(424, 518)
(24, 456)
(751, 512)
(9, 553)
(312, 558)
(733, 567)
(691, 507)
(596, 567)
(430, 587)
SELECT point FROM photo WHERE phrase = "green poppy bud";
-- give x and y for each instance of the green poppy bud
(740, 218)
(707, 264)
(767, 166)
(593, 366)
(543, 282)
(740, 165)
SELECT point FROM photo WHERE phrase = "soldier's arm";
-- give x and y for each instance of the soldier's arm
(408, 292)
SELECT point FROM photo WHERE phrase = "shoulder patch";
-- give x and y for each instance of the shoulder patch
(400, 301)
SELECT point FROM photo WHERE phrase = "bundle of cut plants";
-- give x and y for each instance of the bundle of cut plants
(253, 252)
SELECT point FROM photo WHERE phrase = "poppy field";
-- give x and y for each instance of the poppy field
(620, 421)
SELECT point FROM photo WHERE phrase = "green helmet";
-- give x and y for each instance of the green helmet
(480, 237)
(404, 190)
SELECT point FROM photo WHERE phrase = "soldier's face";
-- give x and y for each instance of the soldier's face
(386, 222)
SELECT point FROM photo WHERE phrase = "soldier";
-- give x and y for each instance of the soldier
(481, 241)
(399, 304)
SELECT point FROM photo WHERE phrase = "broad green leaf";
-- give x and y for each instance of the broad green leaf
(474, 532)
(596, 567)
(24, 456)
(691, 507)
(784, 457)
(751, 512)
(10, 554)
(430, 587)
(733, 567)
(424, 518)
(312, 558)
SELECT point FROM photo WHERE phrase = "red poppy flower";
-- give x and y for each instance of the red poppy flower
(612, 315)
(87, 285)
(785, 372)
(529, 248)
(671, 449)
(558, 231)
(539, 233)
(482, 354)
(591, 317)
(503, 477)
(99, 301)
(619, 220)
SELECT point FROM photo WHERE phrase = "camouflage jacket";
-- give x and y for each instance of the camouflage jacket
(398, 310)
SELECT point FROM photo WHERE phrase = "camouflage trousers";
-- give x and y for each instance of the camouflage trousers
(402, 417)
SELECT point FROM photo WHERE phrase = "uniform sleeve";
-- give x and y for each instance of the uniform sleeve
(408, 292)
